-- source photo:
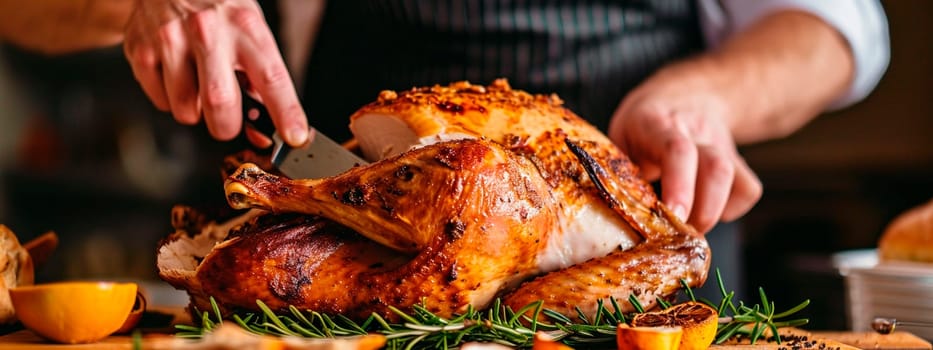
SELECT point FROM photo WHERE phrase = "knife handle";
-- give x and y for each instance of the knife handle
(262, 121)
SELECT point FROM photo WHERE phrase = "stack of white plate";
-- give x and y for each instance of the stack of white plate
(899, 290)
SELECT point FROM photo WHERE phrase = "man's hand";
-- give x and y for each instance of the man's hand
(674, 127)
(186, 55)
(682, 124)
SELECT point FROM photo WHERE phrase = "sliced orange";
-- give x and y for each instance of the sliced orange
(648, 338)
(74, 312)
(698, 321)
(542, 341)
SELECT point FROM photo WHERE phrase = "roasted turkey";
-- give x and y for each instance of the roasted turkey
(474, 192)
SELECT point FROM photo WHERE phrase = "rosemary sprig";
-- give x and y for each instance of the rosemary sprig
(751, 321)
(422, 329)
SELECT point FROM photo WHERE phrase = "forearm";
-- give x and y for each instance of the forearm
(778, 74)
(63, 26)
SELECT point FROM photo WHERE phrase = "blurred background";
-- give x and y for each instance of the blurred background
(83, 153)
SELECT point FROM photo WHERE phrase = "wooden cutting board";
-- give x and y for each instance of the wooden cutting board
(26, 340)
(159, 337)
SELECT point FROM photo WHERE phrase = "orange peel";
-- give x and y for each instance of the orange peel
(136, 314)
(648, 338)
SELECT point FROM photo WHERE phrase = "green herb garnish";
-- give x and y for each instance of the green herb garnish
(422, 329)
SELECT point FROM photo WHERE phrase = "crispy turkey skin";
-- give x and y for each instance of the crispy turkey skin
(474, 192)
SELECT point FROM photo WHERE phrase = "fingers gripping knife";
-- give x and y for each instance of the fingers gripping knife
(319, 157)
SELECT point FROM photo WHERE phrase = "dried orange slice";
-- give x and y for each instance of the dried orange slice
(74, 312)
(542, 341)
(648, 338)
(698, 321)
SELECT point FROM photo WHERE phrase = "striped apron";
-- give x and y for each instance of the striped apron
(589, 52)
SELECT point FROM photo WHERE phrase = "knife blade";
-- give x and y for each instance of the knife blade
(318, 158)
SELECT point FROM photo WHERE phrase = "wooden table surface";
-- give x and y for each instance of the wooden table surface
(835, 340)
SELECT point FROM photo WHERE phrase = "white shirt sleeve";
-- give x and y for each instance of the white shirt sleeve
(861, 22)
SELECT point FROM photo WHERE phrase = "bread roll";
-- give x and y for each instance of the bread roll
(909, 237)
(15, 270)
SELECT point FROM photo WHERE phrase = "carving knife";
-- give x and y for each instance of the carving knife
(320, 157)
